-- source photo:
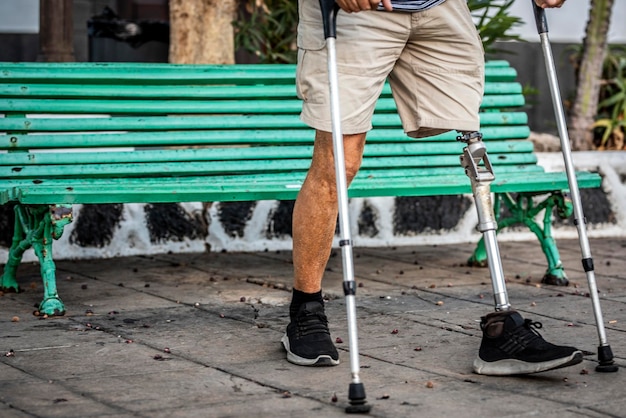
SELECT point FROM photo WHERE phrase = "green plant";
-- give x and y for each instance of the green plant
(494, 23)
(267, 28)
(611, 121)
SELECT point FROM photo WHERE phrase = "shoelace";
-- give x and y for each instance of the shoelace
(528, 323)
(522, 337)
(311, 323)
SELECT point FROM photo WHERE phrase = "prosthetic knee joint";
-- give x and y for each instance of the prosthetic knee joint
(480, 172)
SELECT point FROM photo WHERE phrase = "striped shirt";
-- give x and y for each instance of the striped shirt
(412, 5)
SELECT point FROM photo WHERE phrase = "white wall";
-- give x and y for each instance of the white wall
(19, 16)
(567, 24)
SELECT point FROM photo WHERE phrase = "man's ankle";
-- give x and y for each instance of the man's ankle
(298, 298)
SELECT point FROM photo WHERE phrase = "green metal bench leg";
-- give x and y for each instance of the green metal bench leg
(54, 220)
(37, 227)
(523, 211)
(18, 246)
(51, 304)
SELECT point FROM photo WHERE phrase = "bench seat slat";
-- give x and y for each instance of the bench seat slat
(292, 175)
(242, 166)
(217, 191)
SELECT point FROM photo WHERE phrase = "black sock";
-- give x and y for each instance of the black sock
(299, 298)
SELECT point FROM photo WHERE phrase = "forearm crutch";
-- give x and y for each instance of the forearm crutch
(605, 355)
(356, 391)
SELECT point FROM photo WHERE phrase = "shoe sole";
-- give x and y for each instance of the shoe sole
(323, 360)
(509, 367)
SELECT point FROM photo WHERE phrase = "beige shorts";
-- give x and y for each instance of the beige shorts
(434, 61)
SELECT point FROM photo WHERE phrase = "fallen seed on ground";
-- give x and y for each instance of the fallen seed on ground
(242, 299)
(167, 350)
(15, 319)
(395, 331)
(439, 303)
(417, 349)
(430, 385)
(338, 340)
(385, 396)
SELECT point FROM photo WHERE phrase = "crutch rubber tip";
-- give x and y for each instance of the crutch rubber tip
(358, 409)
(605, 359)
(356, 395)
(607, 368)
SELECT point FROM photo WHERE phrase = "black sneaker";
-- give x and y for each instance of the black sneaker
(307, 339)
(511, 345)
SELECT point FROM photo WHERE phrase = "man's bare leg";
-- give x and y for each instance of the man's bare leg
(315, 210)
(307, 340)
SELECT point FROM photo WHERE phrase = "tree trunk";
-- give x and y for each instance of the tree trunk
(201, 31)
(56, 43)
(594, 51)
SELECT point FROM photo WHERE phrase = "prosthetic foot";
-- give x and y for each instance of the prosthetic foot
(510, 344)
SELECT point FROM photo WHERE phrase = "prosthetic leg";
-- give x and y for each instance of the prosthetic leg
(481, 177)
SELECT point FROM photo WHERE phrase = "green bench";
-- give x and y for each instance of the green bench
(85, 133)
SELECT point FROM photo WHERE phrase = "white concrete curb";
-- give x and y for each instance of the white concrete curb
(132, 237)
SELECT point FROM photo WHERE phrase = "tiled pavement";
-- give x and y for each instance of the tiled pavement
(197, 335)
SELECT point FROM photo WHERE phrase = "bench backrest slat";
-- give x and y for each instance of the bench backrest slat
(216, 137)
(129, 123)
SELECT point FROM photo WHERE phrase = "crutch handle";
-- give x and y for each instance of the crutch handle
(540, 18)
(329, 18)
